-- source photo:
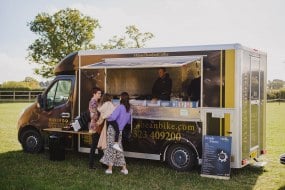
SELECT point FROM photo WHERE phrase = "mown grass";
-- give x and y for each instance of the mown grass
(19, 170)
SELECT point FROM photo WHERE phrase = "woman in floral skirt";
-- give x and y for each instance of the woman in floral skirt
(122, 115)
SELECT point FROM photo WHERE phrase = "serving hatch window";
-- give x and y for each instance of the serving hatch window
(137, 75)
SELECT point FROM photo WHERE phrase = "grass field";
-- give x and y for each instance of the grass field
(19, 170)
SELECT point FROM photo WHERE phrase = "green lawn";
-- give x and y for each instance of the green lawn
(19, 170)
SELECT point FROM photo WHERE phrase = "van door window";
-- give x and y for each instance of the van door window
(58, 93)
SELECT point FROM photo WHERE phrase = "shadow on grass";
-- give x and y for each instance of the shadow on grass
(20, 170)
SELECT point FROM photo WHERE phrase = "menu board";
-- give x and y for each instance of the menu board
(216, 159)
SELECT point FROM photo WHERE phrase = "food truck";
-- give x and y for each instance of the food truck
(232, 101)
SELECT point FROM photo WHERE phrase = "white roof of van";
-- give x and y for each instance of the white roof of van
(143, 62)
(167, 49)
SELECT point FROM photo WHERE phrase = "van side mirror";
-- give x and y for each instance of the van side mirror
(40, 101)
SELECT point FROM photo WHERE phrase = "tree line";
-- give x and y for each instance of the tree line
(276, 89)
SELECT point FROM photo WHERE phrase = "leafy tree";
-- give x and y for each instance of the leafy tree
(60, 34)
(133, 39)
(138, 38)
(276, 89)
(115, 42)
(67, 31)
(31, 83)
(276, 84)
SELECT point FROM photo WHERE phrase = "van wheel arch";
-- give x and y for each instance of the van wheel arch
(181, 157)
(31, 140)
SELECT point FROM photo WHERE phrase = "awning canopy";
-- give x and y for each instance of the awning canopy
(143, 62)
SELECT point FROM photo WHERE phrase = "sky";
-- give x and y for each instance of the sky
(256, 24)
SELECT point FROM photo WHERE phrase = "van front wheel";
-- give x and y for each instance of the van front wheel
(31, 141)
(181, 158)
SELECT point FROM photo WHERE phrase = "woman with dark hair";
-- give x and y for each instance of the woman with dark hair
(122, 115)
(106, 108)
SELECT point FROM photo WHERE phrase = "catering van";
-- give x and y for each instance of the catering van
(232, 101)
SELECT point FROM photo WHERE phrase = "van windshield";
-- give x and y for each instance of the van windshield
(58, 93)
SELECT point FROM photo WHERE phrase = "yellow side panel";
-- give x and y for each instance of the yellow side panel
(230, 79)
(229, 85)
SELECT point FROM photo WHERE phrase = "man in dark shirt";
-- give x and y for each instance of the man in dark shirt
(194, 90)
(162, 86)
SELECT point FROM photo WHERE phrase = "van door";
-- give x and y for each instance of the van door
(57, 102)
(254, 105)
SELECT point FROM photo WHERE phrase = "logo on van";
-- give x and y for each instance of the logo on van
(163, 130)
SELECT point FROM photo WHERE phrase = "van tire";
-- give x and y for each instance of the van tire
(31, 141)
(181, 158)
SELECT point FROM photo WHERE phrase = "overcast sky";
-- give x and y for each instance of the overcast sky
(258, 24)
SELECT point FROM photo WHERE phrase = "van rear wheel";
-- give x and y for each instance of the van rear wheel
(31, 141)
(181, 158)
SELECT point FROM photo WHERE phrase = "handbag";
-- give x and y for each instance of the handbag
(84, 120)
(102, 143)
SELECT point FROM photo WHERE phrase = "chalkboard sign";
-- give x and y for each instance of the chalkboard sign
(216, 159)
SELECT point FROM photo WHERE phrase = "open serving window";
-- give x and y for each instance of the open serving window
(136, 76)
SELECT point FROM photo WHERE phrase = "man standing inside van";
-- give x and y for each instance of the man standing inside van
(162, 86)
